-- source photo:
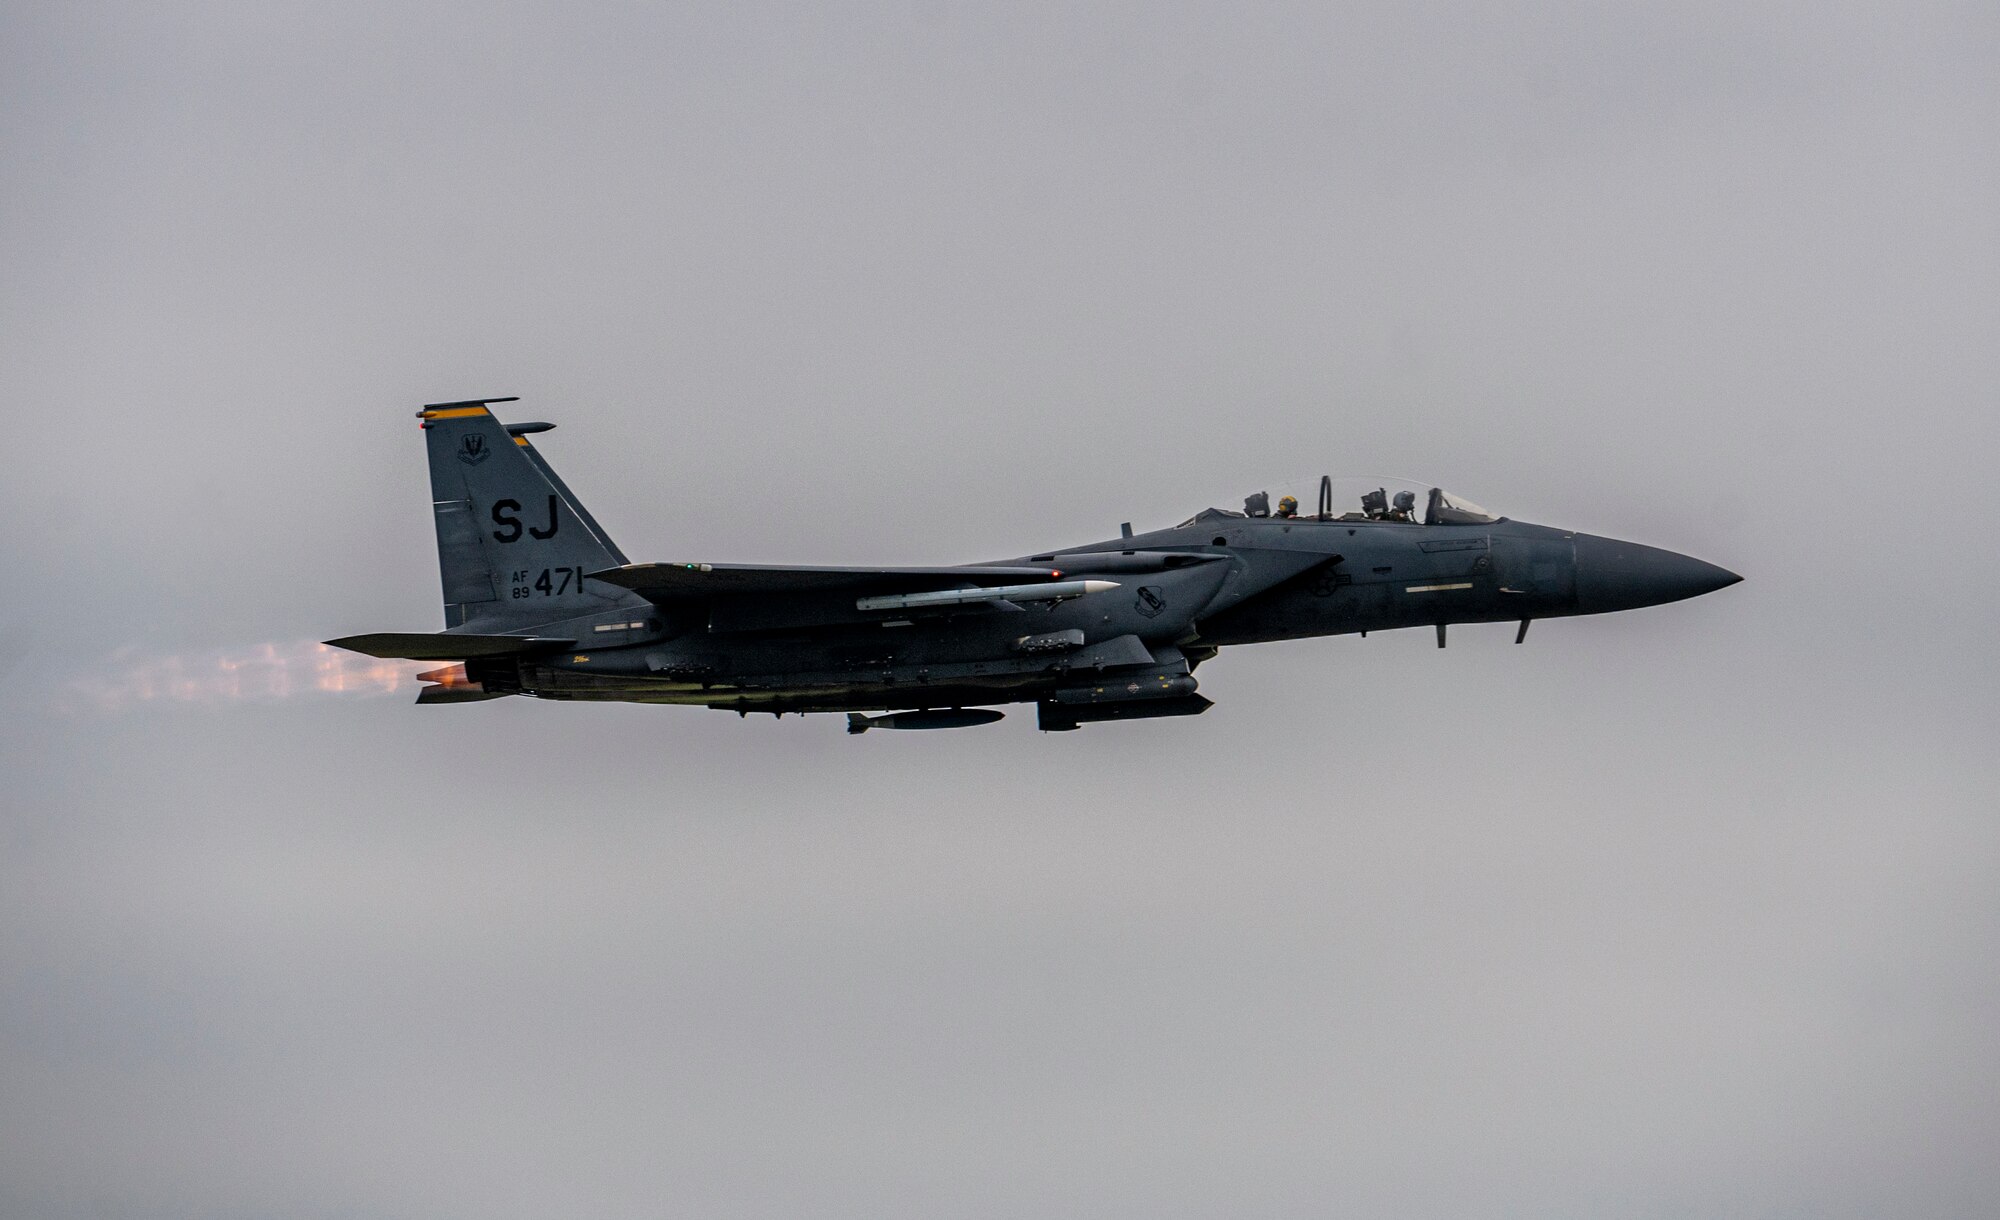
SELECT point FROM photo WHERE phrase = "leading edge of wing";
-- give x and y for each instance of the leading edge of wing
(677, 581)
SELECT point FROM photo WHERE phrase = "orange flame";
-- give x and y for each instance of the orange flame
(258, 673)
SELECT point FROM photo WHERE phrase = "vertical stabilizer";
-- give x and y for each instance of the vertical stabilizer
(514, 544)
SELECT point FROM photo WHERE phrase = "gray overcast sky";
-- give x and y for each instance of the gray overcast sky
(1690, 911)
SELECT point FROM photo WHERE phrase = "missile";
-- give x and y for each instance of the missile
(942, 718)
(1060, 590)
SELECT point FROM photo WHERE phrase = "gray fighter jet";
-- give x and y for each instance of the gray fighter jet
(539, 601)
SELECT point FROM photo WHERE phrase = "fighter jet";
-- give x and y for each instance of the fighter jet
(539, 601)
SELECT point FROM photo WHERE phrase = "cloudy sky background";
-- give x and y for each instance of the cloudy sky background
(1690, 911)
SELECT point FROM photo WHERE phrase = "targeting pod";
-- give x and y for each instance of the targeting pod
(945, 718)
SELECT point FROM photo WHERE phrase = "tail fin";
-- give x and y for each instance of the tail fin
(513, 543)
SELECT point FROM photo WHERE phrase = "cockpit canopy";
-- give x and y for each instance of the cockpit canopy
(1447, 509)
(1353, 499)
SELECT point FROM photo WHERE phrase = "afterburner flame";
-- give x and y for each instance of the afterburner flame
(258, 673)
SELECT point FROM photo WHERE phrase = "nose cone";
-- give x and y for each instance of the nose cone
(1614, 575)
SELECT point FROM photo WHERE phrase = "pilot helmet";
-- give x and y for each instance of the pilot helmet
(1406, 501)
(1287, 505)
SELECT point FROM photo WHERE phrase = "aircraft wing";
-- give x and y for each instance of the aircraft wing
(665, 583)
(443, 645)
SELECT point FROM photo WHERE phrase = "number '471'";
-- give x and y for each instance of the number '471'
(550, 582)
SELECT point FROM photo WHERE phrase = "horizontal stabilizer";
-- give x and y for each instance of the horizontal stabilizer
(443, 645)
(667, 582)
